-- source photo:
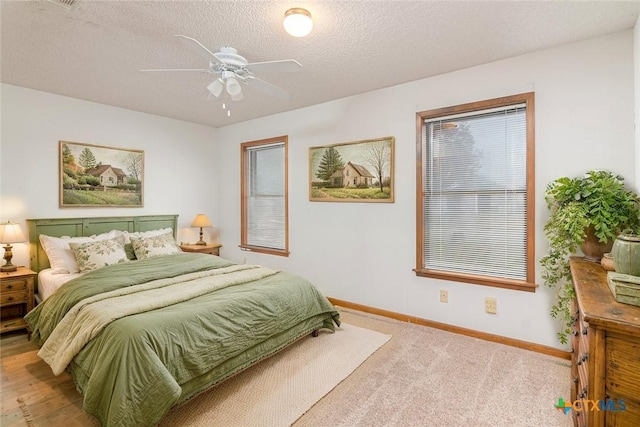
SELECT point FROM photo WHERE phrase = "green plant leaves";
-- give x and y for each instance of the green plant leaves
(598, 199)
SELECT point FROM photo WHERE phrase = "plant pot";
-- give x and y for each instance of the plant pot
(626, 254)
(592, 248)
(607, 262)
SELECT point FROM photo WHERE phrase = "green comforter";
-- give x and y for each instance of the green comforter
(136, 367)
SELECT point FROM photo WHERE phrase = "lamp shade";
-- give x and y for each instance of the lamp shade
(233, 87)
(215, 87)
(11, 233)
(297, 22)
(201, 220)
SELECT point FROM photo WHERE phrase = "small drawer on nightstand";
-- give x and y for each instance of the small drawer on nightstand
(11, 285)
(13, 298)
(12, 324)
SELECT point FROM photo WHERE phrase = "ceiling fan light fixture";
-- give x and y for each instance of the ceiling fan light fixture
(298, 22)
(215, 87)
(233, 87)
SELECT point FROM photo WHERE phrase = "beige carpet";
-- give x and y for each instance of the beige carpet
(279, 390)
(426, 377)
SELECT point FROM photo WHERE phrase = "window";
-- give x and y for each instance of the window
(475, 193)
(265, 226)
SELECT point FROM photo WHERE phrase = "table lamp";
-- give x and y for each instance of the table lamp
(10, 233)
(201, 221)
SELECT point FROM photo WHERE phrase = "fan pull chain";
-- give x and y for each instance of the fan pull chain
(224, 107)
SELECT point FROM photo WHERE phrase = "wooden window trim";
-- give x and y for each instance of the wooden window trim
(244, 160)
(527, 285)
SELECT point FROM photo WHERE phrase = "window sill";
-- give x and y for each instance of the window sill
(269, 251)
(478, 280)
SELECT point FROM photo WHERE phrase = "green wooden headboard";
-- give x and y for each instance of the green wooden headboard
(81, 227)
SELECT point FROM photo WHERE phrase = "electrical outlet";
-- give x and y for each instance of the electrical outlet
(490, 305)
(444, 295)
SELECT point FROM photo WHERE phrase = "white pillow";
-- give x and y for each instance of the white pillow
(60, 256)
(147, 247)
(99, 253)
(151, 233)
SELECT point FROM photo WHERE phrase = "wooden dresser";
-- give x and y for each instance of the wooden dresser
(606, 350)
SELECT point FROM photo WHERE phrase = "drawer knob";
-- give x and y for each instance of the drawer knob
(584, 331)
(583, 359)
(9, 286)
(10, 299)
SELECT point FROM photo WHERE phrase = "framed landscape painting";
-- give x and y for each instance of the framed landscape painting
(360, 171)
(99, 176)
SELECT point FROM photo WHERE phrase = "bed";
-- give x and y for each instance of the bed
(142, 336)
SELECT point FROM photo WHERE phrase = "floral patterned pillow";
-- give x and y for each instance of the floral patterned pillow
(97, 254)
(147, 247)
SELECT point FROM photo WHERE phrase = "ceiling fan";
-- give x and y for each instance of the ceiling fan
(233, 70)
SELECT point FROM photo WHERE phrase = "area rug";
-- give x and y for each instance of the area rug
(279, 390)
(26, 413)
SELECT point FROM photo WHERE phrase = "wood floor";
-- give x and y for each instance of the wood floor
(24, 376)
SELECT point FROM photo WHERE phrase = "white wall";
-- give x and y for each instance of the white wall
(365, 253)
(636, 56)
(179, 176)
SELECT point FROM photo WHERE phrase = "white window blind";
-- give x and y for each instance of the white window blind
(266, 205)
(474, 170)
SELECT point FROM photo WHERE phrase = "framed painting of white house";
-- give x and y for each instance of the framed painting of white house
(360, 171)
(99, 176)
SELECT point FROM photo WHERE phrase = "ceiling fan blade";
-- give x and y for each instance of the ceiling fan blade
(154, 70)
(198, 48)
(268, 88)
(283, 66)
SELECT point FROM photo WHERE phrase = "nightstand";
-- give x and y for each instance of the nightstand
(213, 248)
(16, 298)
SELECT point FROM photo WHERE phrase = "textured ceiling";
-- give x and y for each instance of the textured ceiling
(95, 50)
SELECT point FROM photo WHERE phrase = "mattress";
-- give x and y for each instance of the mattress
(48, 282)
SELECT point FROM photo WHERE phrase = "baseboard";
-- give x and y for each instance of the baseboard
(455, 329)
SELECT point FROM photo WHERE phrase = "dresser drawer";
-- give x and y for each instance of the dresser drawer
(12, 285)
(630, 417)
(9, 298)
(622, 367)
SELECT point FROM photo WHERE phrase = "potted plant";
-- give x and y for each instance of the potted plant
(586, 213)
